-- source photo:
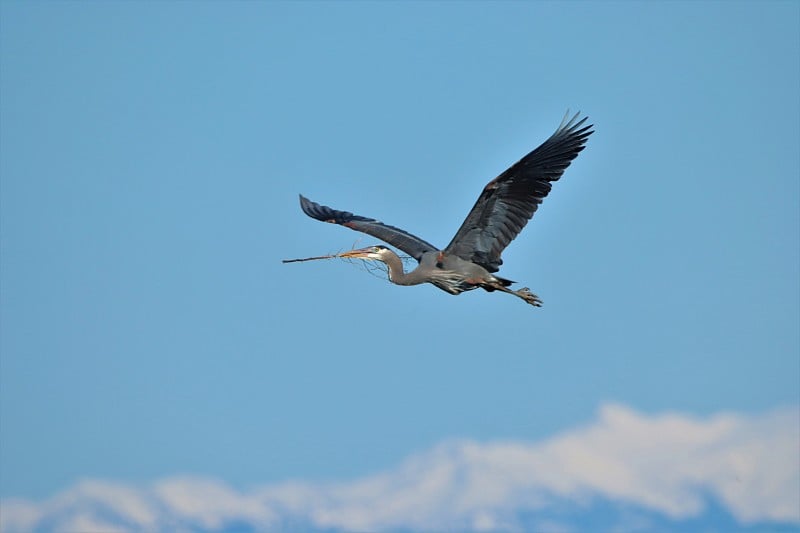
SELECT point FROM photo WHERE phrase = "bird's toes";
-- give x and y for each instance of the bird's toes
(526, 294)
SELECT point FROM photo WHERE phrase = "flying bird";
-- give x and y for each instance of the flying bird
(502, 210)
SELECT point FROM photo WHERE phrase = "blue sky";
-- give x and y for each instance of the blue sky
(152, 154)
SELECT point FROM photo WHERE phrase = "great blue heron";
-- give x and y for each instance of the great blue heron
(502, 210)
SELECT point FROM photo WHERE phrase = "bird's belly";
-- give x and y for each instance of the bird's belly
(455, 286)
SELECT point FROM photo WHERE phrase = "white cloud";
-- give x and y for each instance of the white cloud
(127, 504)
(211, 504)
(667, 464)
(18, 515)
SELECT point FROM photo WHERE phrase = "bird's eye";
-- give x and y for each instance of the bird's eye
(376, 249)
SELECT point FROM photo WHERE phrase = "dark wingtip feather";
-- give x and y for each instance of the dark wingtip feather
(307, 206)
(568, 125)
(314, 210)
(305, 203)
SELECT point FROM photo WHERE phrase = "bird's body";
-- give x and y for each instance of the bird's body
(502, 210)
(444, 270)
(448, 272)
(455, 275)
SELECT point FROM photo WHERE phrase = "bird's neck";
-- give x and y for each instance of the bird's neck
(396, 273)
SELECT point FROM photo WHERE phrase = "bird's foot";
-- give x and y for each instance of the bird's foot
(526, 294)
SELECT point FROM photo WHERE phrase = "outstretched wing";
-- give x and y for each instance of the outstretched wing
(510, 200)
(410, 244)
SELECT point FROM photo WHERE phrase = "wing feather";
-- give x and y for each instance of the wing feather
(509, 201)
(400, 239)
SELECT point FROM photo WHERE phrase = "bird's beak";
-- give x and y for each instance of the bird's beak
(361, 253)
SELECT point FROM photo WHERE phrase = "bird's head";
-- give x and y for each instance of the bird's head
(375, 253)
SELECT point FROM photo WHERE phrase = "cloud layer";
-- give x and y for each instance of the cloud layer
(671, 465)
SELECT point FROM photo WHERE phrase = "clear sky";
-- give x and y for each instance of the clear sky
(151, 158)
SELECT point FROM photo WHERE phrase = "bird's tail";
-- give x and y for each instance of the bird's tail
(505, 282)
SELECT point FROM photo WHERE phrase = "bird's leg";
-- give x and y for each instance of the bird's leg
(524, 293)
